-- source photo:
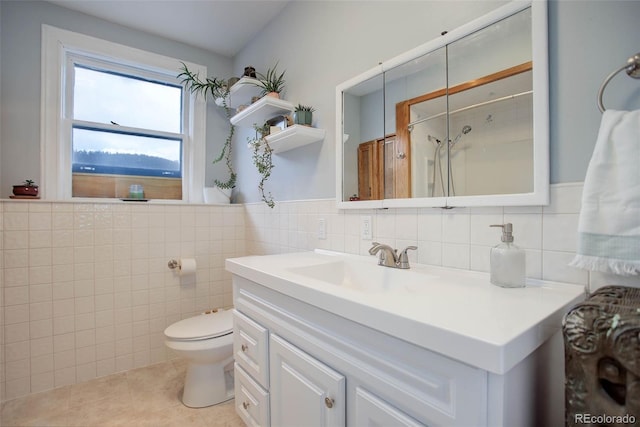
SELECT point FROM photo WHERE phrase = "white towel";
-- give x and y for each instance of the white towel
(609, 224)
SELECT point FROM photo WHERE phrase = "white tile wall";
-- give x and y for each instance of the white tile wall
(86, 289)
(458, 238)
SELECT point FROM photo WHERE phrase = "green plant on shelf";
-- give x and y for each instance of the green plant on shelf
(271, 81)
(217, 89)
(308, 108)
(303, 115)
(262, 160)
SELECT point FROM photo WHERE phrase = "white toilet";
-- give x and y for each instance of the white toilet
(206, 341)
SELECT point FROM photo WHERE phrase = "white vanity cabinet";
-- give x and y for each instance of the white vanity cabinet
(269, 369)
(251, 348)
(373, 411)
(252, 401)
(251, 353)
(323, 338)
(304, 391)
(324, 370)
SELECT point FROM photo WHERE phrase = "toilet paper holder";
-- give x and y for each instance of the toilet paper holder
(183, 266)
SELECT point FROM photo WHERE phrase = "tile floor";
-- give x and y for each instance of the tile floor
(148, 396)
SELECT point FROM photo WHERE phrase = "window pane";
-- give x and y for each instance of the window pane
(106, 97)
(104, 152)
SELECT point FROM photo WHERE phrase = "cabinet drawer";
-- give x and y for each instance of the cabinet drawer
(371, 410)
(251, 347)
(252, 401)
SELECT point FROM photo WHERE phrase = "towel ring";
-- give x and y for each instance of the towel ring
(633, 70)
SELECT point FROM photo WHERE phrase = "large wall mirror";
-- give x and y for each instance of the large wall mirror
(459, 121)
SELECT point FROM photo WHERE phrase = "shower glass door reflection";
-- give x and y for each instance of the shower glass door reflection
(471, 133)
(415, 114)
(490, 109)
(491, 138)
(484, 145)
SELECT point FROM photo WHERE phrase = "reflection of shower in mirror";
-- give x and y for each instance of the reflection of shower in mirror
(465, 130)
(437, 167)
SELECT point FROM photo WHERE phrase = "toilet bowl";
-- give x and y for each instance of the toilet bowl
(206, 341)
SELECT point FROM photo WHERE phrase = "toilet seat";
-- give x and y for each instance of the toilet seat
(202, 327)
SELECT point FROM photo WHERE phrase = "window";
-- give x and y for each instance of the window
(120, 117)
(126, 129)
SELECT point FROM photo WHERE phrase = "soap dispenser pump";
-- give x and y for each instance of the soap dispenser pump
(507, 261)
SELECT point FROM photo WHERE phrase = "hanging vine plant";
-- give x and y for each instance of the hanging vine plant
(261, 156)
(218, 89)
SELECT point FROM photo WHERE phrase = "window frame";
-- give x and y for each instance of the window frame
(56, 157)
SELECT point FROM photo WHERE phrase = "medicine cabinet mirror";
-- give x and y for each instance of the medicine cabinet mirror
(459, 121)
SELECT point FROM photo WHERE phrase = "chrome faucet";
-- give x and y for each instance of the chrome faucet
(403, 258)
(389, 257)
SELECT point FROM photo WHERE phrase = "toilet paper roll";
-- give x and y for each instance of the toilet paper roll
(187, 266)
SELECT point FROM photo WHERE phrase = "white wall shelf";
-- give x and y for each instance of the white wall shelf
(293, 137)
(242, 92)
(262, 110)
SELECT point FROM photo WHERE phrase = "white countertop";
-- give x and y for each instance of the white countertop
(457, 313)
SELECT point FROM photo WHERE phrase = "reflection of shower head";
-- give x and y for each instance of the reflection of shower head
(465, 130)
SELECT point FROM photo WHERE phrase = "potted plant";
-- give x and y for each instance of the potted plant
(272, 83)
(303, 115)
(262, 160)
(218, 91)
(28, 188)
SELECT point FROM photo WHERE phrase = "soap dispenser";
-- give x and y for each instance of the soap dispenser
(507, 261)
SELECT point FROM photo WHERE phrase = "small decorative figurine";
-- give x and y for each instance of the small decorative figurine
(249, 72)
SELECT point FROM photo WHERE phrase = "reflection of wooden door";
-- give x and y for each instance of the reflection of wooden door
(396, 169)
(389, 168)
(371, 170)
(402, 146)
(382, 170)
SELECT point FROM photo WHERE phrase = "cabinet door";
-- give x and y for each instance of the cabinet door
(304, 391)
(371, 411)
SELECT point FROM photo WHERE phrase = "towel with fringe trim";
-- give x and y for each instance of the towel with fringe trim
(609, 222)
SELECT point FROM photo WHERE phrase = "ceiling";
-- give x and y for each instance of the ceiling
(220, 26)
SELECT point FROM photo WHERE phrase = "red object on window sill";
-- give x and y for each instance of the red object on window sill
(25, 190)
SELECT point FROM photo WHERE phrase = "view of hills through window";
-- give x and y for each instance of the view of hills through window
(96, 151)
(125, 125)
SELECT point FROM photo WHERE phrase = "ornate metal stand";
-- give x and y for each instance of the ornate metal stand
(602, 359)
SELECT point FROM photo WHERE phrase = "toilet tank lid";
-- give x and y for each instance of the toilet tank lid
(202, 326)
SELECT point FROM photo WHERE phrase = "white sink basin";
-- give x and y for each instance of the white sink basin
(456, 313)
(366, 277)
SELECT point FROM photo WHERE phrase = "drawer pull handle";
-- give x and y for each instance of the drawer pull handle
(329, 402)
(245, 405)
(244, 348)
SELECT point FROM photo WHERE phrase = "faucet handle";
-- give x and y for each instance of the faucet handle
(403, 258)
